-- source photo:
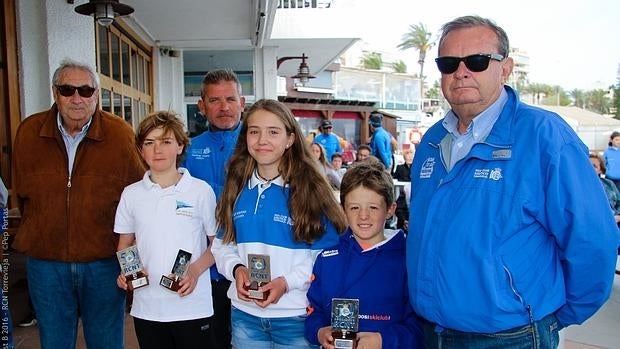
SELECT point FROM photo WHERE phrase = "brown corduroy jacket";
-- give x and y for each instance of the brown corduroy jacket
(71, 219)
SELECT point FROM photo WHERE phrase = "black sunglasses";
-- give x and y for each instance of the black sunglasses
(68, 90)
(475, 63)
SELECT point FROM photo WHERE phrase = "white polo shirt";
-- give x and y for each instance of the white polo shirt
(164, 221)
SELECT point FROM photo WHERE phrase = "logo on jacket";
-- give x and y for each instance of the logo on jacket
(184, 209)
(200, 154)
(427, 168)
(484, 173)
(329, 253)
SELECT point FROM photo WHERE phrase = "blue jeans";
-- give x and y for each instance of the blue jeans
(61, 292)
(543, 334)
(249, 331)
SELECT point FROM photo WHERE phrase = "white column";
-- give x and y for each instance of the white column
(49, 31)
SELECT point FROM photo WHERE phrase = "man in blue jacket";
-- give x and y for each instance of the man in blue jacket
(328, 140)
(207, 156)
(510, 232)
(381, 141)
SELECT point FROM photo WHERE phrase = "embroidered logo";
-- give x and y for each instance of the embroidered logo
(184, 209)
(330, 253)
(280, 218)
(496, 174)
(427, 168)
(485, 173)
(200, 154)
(481, 173)
(239, 214)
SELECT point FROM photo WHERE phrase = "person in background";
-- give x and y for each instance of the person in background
(167, 211)
(612, 159)
(4, 194)
(318, 153)
(613, 195)
(381, 141)
(367, 264)
(402, 174)
(363, 152)
(337, 164)
(328, 140)
(276, 203)
(70, 165)
(207, 156)
(497, 209)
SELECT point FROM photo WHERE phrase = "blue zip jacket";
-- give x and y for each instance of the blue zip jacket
(612, 162)
(206, 158)
(381, 145)
(377, 277)
(520, 227)
(208, 154)
(330, 143)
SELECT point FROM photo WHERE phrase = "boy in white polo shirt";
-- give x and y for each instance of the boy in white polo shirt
(167, 211)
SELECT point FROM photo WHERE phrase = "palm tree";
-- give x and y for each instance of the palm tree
(419, 38)
(579, 97)
(372, 60)
(399, 66)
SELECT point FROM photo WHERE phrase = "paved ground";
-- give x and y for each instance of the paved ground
(602, 331)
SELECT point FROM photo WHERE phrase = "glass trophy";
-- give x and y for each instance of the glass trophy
(260, 274)
(131, 267)
(179, 270)
(345, 321)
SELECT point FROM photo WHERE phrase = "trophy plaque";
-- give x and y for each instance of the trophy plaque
(345, 321)
(131, 267)
(260, 274)
(179, 269)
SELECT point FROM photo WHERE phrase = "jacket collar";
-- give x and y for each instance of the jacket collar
(50, 126)
(501, 132)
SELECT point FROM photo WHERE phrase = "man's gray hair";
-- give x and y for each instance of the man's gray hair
(214, 77)
(68, 64)
(476, 21)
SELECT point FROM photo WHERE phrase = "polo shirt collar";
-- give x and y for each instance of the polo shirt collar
(255, 180)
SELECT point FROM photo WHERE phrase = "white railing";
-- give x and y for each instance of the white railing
(304, 3)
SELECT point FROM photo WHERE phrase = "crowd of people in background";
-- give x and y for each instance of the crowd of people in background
(438, 248)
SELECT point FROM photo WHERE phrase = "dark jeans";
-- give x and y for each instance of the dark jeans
(543, 334)
(187, 334)
(220, 321)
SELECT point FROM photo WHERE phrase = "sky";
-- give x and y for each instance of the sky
(573, 44)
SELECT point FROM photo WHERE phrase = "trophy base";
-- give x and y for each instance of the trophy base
(344, 339)
(254, 293)
(135, 281)
(170, 283)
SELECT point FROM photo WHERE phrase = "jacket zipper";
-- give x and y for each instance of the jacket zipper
(512, 287)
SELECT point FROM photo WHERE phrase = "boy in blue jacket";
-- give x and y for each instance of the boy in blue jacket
(368, 264)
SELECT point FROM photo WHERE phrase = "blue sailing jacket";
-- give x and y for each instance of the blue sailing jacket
(520, 227)
(376, 277)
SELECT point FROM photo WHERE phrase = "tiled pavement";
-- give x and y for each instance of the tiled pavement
(602, 331)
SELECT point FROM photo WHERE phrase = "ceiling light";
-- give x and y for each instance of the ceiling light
(104, 11)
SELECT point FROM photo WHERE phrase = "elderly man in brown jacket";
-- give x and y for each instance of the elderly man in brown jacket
(70, 166)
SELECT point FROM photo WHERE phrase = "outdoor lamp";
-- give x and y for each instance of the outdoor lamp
(104, 11)
(303, 74)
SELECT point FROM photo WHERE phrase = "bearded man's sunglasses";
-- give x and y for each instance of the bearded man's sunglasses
(476, 63)
(68, 90)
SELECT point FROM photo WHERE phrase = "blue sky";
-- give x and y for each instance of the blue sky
(574, 44)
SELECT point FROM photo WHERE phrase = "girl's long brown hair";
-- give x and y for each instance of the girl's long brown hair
(311, 197)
